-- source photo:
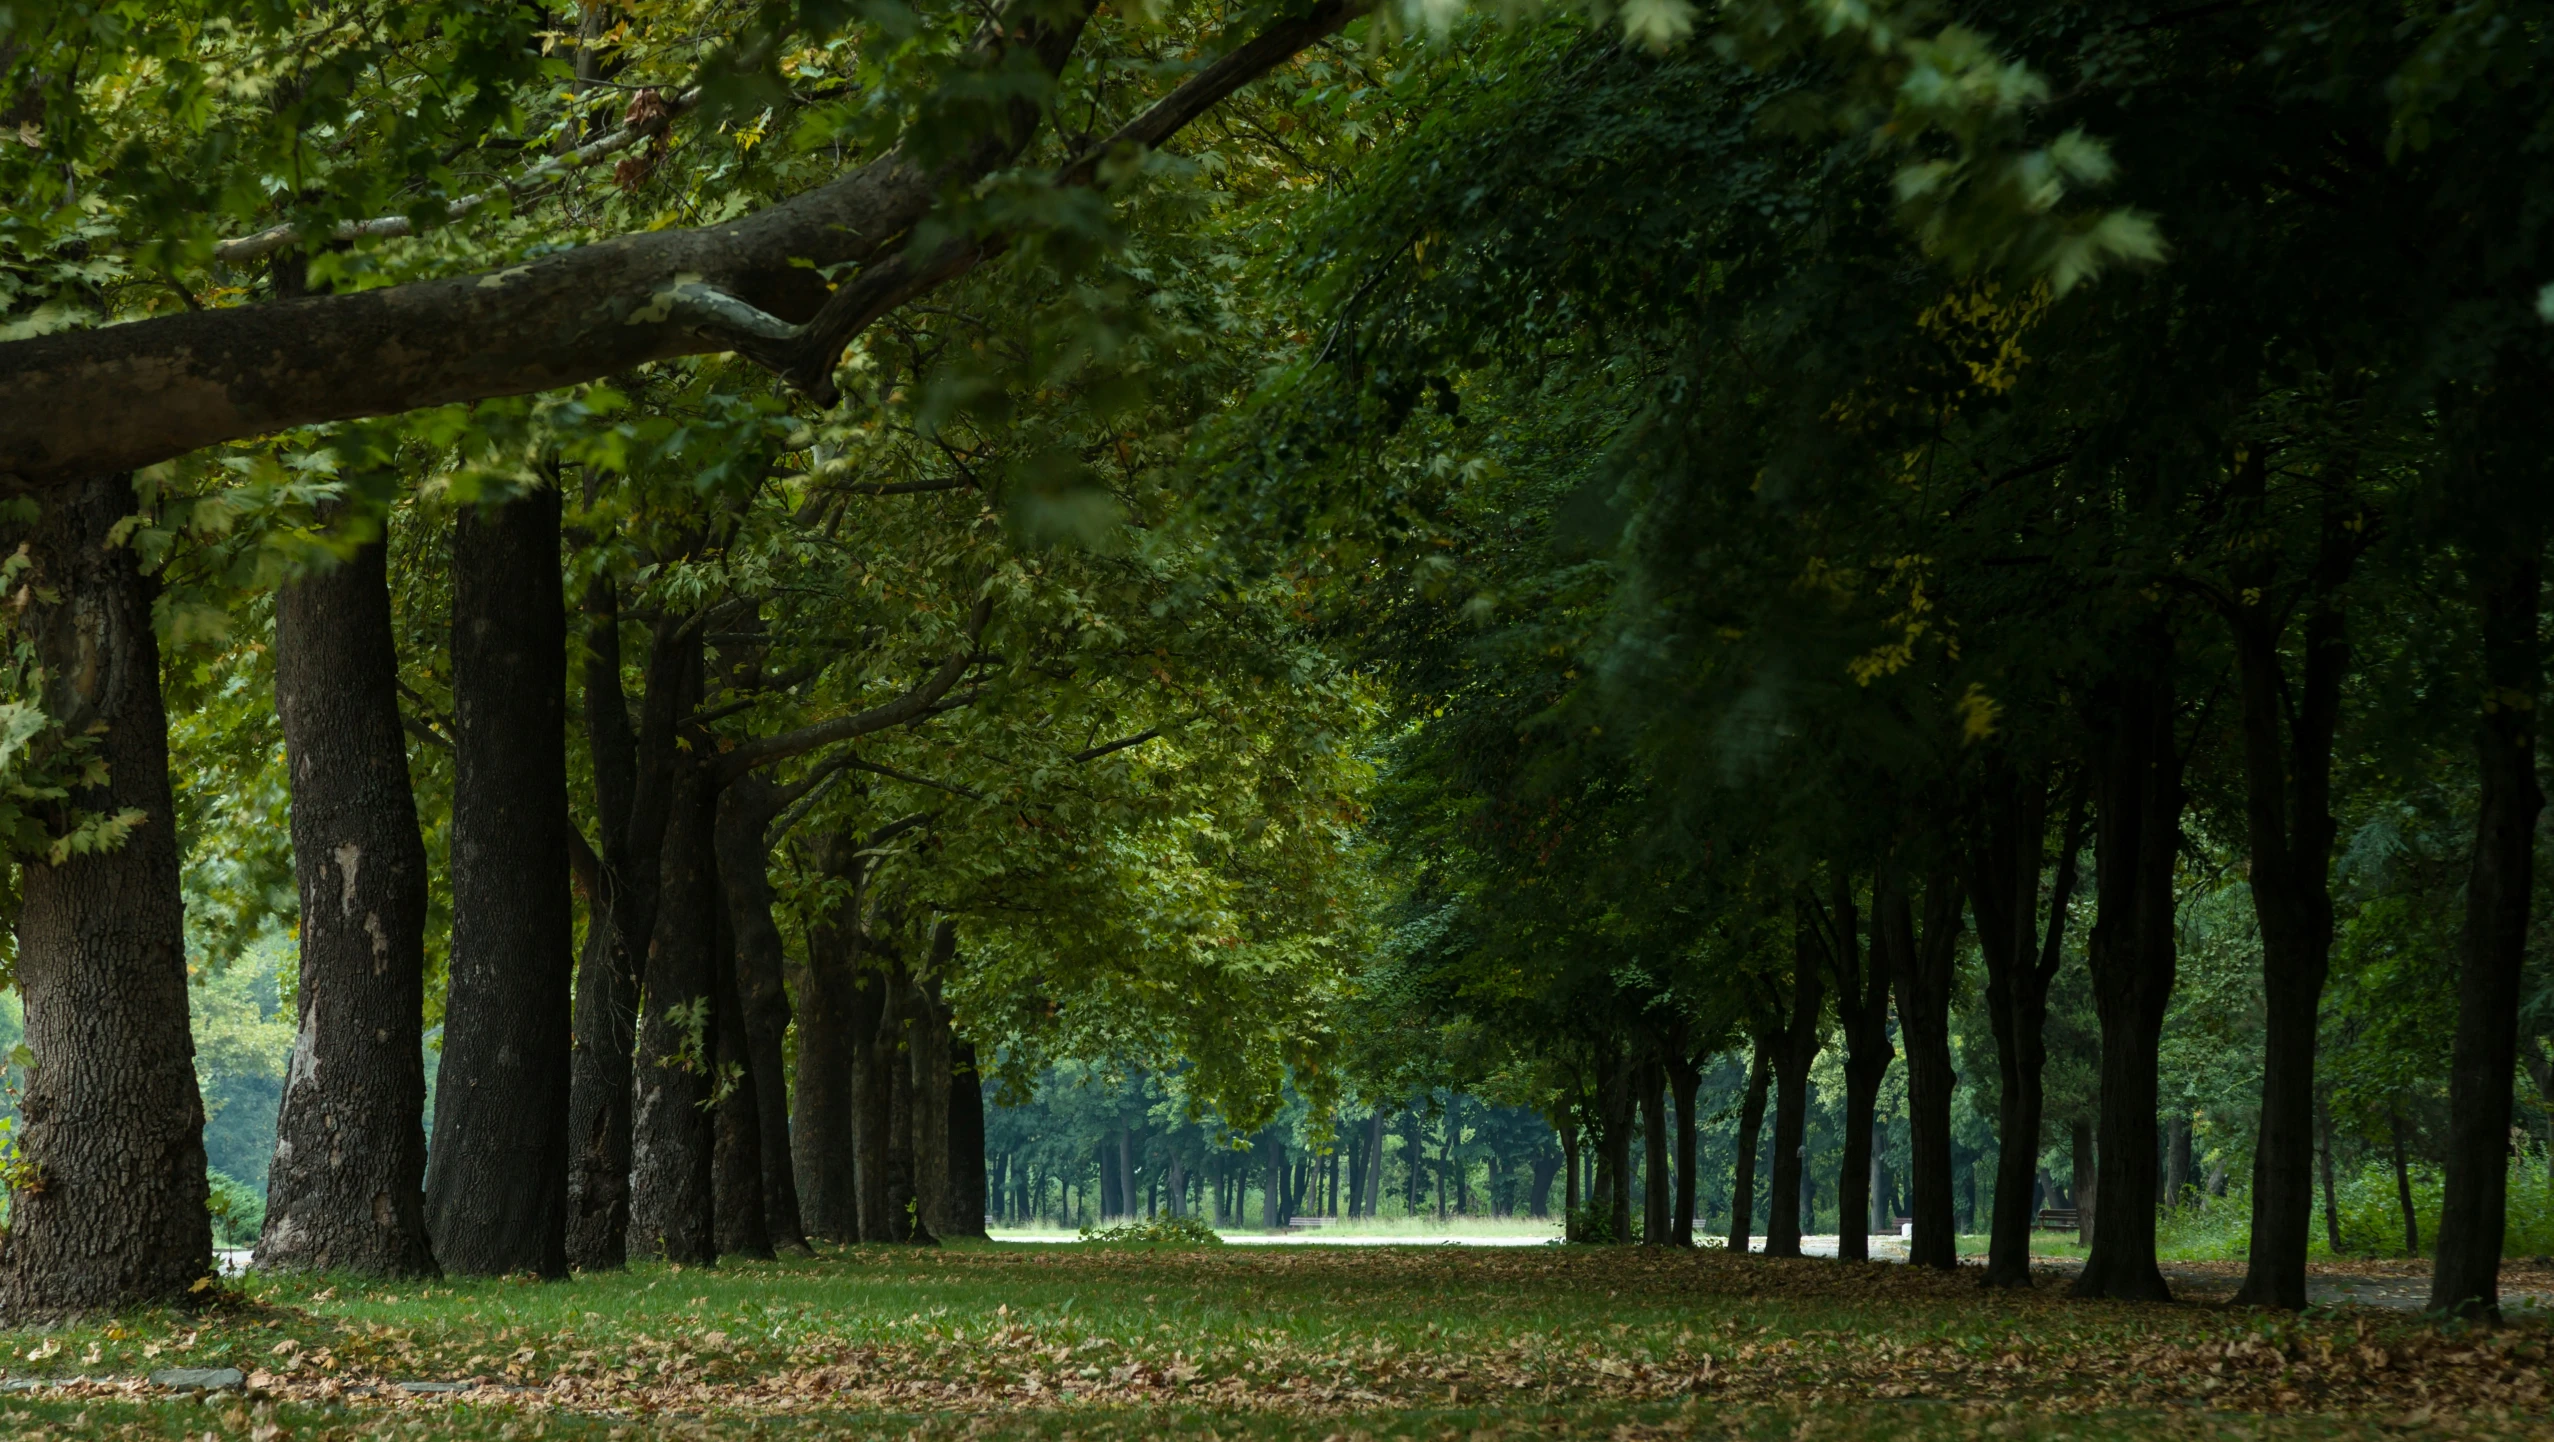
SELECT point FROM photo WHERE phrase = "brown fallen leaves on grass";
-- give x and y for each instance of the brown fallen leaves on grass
(1339, 1330)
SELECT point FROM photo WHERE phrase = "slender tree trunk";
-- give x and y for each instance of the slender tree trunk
(1799, 1048)
(2331, 1205)
(1614, 1160)
(2403, 1185)
(966, 1146)
(672, 1133)
(1921, 965)
(2022, 958)
(1751, 1125)
(1658, 1215)
(1862, 1010)
(746, 811)
(736, 1153)
(346, 1191)
(2288, 814)
(2177, 1161)
(1272, 1201)
(1684, 1079)
(2466, 1279)
(107, 1207)
(496, 1177)
(633, 786)
(2138, 835)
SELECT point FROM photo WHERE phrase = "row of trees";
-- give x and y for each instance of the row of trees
(1785, 613)
(683, 757)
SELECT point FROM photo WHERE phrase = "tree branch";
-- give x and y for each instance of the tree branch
(913, 705)
(1096, 752)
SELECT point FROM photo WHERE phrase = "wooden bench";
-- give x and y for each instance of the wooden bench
(2061, 1219)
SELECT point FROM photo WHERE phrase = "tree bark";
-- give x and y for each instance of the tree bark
(966, 1147)
(1751, 1125)
(346, 1189)
(2022, 955)
(2466, 1279)
(1658, 1213)
(2288, 817)
(1613, 1141)
(834, 1034)
(927, 1042)
(873, 1107)
(736, 1152)
(672, 1132)
(897, 1024)
(1800, 1041)
(746, 810)
(633, 789)
(2137, 836)
(2403, 1185)
(496, 1177)
(2331, 1203)
(1921, 964)
(1683, 1079)
(1862, 1011)
(107, 1210)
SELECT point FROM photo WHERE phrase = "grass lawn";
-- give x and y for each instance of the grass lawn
(1054, 1341)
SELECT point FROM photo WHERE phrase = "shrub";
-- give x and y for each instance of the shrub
(1156, 1232)
(239, 1213)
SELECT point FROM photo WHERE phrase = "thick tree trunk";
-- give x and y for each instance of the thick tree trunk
(496, 1178)
(672, 1133)
(745, 814)
(107, 1211)
(2139, 792)
(1683, 1079)
(633, 791)
(2288, 815)
(2466, 1280)
(1862, 1011)
(873, 1105)
(897, 1024)
(832, 1030)
(346, 1191)
(1751, 1126)
(736, 1150)
(927, 1041)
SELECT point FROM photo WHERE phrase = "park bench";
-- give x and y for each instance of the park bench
(2061, 1219)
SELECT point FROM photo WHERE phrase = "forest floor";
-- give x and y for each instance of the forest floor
(1319, 1343)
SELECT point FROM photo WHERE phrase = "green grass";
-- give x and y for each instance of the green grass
(1048, 1341)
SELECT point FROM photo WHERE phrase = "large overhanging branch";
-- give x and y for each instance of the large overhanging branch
(917, 704)
(651, 124)
(80, 403)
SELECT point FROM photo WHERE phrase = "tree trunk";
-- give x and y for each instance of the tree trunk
(1658, 1208)
(2084, 1186)
(111, 1126)
(2466, 1279)
(1862, 1012)
(1272, 1202)
(1684, 1079)
(673, 1195)
(1800, 1040)
(346, 1191)
(736, 1151)
(1751, 1124)
(2403, 1185)
(745, 815)
(1614, 1141)
(837, 1024)
(927, 1057)
(2005, 855)
(2331, 1204)
(2139, 791)
(633, 786)
(2288, 816)
(966, 1146)
(897, 1024)
(1921, 966)
(496, 1177)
